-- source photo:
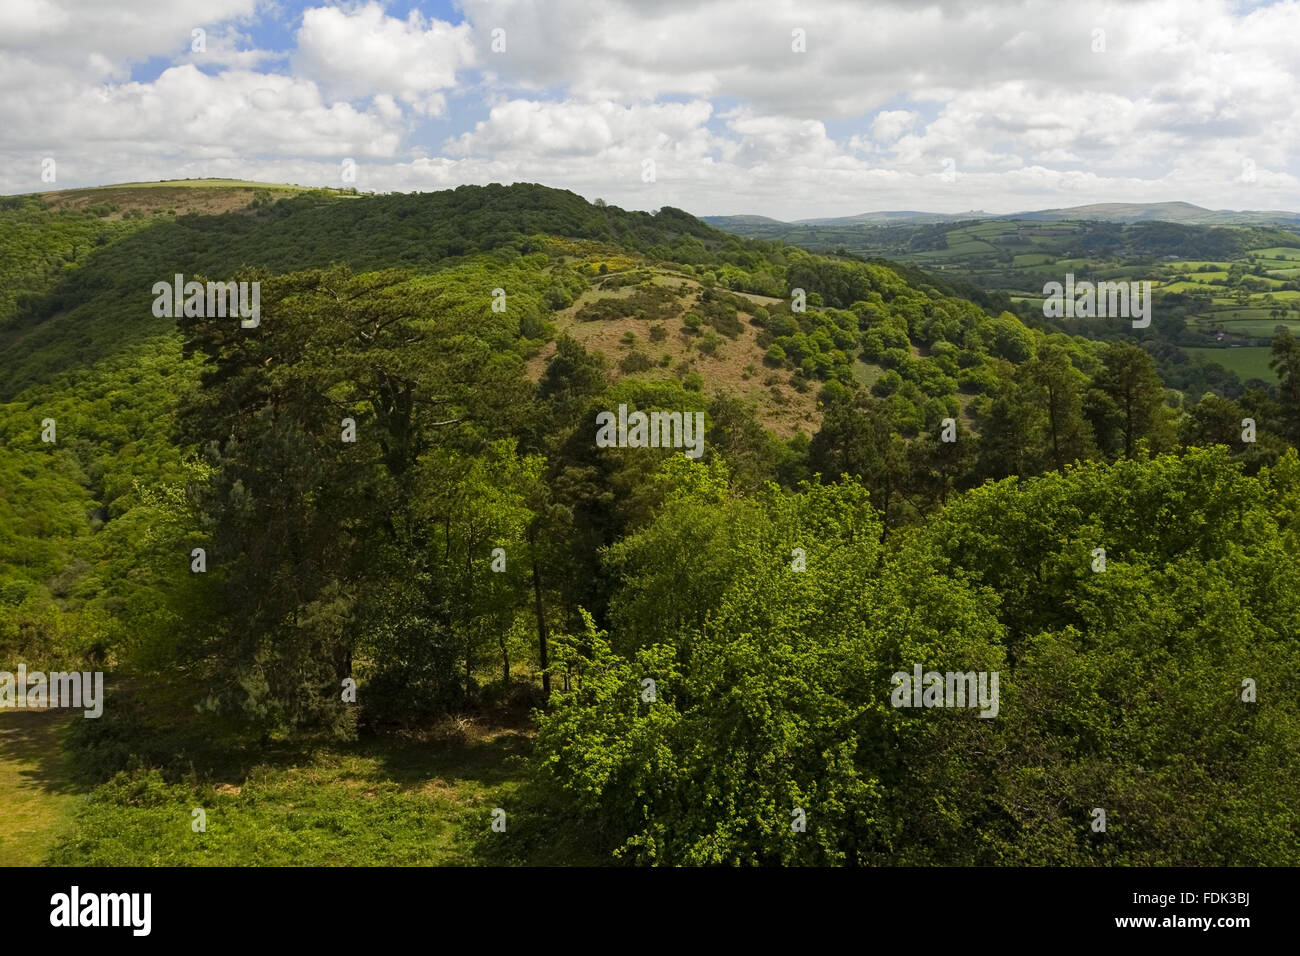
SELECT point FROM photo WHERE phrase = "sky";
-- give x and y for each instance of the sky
(718, 107)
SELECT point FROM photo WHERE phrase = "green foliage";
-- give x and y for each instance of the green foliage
(652, 302)
(1119, 689)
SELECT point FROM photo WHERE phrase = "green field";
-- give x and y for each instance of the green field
(984, 230)
(966, 247)
(1235, 315)
(1276, 252)
(1259, 327)
(1248, 362)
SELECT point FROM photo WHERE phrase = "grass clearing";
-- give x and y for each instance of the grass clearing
(780, 407)
(1235, 315)
(38, 794)
(422, 799)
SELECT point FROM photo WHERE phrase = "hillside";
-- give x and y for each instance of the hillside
(664, 308)
(82, 274)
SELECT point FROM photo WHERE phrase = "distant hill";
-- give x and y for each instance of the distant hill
(1181, 212)
(734, 223)
(725, 222)
(898, 216)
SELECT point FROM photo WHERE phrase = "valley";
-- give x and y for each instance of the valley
(1233, 284)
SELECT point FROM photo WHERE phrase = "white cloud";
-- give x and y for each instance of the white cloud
(227, 47)
(71, 30)
(597, 130)
(1184, 94)
(891, 124)
(366, 52)
(187, 113)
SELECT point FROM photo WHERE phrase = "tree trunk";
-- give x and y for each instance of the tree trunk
(469, 629)
(541, 630)
(469, 657)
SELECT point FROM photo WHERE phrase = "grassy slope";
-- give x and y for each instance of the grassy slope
(38, 795)
(780, 407)
(202, 196)
(420, 800)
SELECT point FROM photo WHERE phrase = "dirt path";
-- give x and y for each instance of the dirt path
(37, 794)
